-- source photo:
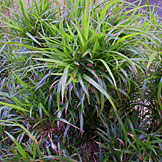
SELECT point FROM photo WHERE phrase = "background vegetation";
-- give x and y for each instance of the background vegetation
(80, 82)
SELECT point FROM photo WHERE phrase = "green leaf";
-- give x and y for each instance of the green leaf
(24, 12)
(14, 106)
(83, 85)
(86, 21)
(30, 36)
(45, 111)
(13, 26)
(64, 80)
(102, 103)
(127, 36)
(58, 92)
(80, 35)
(65, 121)
(159, 93)
(151, 59)
(81, 121)
(96, 46)
(97, 86)
(19, 147)
(104, 11)
(122, 126)
(27, 132)
(61, 63)
(109, 70)
(20, 80)
(126, 58)
(69, 29)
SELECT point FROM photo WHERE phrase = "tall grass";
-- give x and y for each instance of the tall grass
(77, 81)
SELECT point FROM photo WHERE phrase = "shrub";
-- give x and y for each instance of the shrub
(77, 80)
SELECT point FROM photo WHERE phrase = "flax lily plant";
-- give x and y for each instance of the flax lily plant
(77, 75)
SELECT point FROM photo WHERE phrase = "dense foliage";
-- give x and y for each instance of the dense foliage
(80, 82)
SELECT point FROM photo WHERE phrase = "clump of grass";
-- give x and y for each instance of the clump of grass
(74, 81)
